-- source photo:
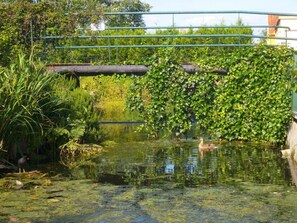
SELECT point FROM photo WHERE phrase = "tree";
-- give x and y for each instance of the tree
(24, 22)
(134, 20)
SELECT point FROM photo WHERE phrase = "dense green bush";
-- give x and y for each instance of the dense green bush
(24, 22)
(134, 53)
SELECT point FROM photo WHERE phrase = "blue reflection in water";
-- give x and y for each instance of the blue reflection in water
(192, 163)
(169, 166)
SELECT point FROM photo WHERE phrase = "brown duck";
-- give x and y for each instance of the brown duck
(205, 147)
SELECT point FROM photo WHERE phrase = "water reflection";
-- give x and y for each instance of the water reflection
(169, 166)
(149, 163)
(123, 132)
(192, 164)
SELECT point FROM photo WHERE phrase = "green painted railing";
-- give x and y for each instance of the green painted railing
(174, 36)
(195, 27)
(201, 12)
(238, 36)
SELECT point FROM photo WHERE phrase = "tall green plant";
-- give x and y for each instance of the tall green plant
(38, 107)
(26, 103)
(80, 121)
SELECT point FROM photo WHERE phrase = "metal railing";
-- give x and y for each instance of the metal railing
(174, 36)
(112, 33)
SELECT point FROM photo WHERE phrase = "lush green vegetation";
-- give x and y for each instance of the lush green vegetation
(139, 37)
(170, 99)
(110, 96)
(45, 111)
(251, 103)
(41, 110)
(23, 23)
(254, 101)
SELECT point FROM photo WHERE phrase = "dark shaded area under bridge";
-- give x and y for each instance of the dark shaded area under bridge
(93, 70)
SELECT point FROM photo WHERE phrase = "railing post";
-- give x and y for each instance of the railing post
(173, 29)
(43, 57)
(109, 45)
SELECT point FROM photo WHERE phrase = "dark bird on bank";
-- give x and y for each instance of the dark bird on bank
(22, 163)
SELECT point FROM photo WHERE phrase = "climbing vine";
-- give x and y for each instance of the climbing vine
(252, 102)
(171, 100)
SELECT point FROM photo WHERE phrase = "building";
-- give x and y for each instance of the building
(272, 21)
(290, 32)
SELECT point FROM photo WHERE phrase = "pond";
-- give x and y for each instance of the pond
(158, 181)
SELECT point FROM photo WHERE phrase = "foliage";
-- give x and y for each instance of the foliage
(30, 21)
(251, 103)
(126, 6)
(37, 107)
(24, 22)
(171, 100)
(253, 100)
(80, 122)
(27, 106)
(138, 55)
(109, 96)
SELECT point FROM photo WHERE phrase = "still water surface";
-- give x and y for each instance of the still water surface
(163, 181)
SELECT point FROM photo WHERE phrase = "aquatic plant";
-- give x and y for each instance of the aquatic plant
(38, 108)
(28, 107)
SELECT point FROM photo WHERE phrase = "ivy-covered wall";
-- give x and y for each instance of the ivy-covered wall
(252, 102)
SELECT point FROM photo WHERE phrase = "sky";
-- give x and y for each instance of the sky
(279, 6)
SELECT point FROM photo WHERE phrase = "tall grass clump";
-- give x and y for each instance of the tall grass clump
(37, 108)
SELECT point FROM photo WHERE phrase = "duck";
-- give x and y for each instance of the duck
(205, 147)
(22, 162)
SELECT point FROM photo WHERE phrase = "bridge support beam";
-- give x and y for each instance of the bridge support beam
(138, 70)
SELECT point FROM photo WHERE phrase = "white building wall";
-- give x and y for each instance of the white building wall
(292, 33)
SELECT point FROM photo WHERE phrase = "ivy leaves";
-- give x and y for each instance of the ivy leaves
(251, 103)
(169, 99)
